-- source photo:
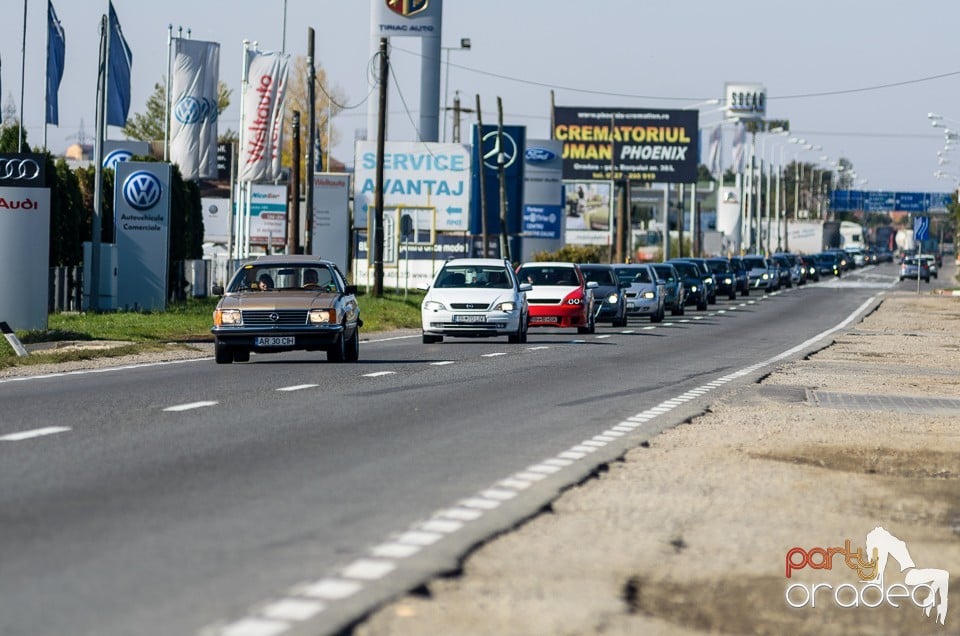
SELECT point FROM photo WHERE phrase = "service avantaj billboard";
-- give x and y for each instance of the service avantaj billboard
(635, 144)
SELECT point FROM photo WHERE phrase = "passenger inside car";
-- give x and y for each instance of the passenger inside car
(265, 282)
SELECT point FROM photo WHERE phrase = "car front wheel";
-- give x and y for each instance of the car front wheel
(353, 346)
(428, 339)
(222, 353)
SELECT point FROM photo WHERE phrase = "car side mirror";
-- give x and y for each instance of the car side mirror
(660, 281)
(217, 290)
(592, 284)
(423, 286)
(350, 289)
(525, 287)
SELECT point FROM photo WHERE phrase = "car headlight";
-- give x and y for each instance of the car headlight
(649, 294)
(223, 317)
(693, 288)
(508, 305)
(708, 281)
(613, 299)
(765, 276)
(727, 281)
(322, 316)
(432, 305)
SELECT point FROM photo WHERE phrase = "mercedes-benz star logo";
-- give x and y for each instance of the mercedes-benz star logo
(509, 151)
(142, 190)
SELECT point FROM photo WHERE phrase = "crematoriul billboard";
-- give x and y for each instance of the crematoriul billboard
(634, 144)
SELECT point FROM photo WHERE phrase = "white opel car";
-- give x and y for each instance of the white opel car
(475, 298)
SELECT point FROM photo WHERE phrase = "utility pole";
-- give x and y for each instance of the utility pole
(483, 185)
(502, 176)
(311, 144)
(293, 223)
(457, 111)
(378, 195)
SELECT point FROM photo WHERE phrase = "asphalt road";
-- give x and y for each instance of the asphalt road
(195, 497)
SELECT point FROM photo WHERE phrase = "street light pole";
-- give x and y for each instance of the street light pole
(464, 46)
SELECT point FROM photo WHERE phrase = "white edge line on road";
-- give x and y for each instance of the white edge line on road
(47, 376)
(365, 570)
(37, 432)
(190, 406)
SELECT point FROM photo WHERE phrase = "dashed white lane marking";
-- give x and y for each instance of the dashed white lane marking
(494, 355)
(282, 615)
(648, 328)
(298, 387)
(441, 363)
(536, 348)
(189, 406)
(603, 336)
(37, 432)
(628, 332)
(377, 374)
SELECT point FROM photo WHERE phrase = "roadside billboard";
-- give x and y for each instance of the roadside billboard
(634, 144)
(542, 189)
(331, 217)
(415, 174)
(268, 215)
(589, 212)
(141, 209)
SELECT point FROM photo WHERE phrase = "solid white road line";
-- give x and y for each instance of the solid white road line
(37, 432)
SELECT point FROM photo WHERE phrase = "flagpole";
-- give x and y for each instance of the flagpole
(23, 71)
(46, 83)
(166, 98)
(241, 193)
(98, 166)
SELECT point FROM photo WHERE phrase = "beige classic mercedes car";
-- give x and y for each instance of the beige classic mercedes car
(287, 303)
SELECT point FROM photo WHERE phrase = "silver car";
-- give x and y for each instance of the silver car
(646, 294)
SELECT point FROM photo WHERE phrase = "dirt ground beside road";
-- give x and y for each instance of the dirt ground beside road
(689, 535)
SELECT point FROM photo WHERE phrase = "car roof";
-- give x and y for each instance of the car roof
(290, 259)
(548, 264)
(475, 261)
(595, 266)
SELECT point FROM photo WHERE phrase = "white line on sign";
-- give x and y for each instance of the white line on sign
(37, 432)
(191, 405)
(298, 387)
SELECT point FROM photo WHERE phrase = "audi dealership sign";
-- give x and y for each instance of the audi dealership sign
(24, 253)
(141, 204)
(23, 170)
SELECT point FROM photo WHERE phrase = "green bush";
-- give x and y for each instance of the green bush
(576, 254)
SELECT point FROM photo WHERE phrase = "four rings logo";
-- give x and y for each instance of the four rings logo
(142, 190)
(20, 170)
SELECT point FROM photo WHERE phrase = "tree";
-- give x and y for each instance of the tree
(149, 125)
(296, 100)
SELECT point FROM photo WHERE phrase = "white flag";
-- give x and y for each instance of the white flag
(713, 161)
(193, 118)
(739, 144)
(262, 125)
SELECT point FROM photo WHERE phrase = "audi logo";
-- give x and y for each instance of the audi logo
(19, 170)
(142, 190)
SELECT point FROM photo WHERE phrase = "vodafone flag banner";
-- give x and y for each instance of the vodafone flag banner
(193, 118)
(262, 124)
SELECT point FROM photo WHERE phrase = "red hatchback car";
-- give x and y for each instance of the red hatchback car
(561, 296)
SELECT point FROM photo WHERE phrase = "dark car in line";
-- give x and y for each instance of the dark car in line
(706, 275)
(693, 287)
(609, 295)
(743, 280)
(724, 276)
(674, 291)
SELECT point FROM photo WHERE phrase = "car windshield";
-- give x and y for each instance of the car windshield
(599, 276)
(719, 266)
(687, 269)
(548, 275)
(492, 276)
(284, 276)
(754, 263)
(666, 273)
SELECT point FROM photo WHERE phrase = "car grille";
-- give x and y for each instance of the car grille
(544, 301)
(477, 306)
(274, 317)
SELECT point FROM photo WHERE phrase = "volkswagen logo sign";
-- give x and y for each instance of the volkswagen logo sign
(19, 169)
(210, 109)
(142, 190)
(508, 154)
(539, 155)
(189, 110)
(116, 156)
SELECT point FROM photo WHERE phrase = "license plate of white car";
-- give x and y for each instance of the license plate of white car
(276, 341)
(469, 318)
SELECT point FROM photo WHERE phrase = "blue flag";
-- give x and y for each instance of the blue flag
(56, 50)
(119, 60)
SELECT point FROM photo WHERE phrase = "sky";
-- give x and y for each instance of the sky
(854, 77)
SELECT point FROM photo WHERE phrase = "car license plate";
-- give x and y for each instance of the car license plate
(543, 319)
(469, 318)
(275, 341)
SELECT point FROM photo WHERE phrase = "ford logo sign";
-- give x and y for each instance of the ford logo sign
(141, 190)
(539, 155)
